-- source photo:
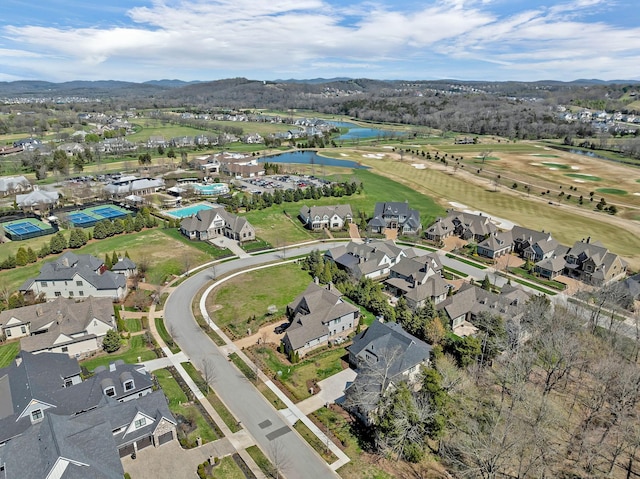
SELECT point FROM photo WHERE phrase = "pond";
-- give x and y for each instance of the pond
(310, 158)
(359, 132)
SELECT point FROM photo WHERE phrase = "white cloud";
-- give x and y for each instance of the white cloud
(313, 37)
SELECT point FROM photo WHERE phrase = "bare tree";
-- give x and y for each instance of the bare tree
(279, 460)
(209, 372)
(484, 154)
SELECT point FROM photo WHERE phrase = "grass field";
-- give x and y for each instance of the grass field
(129, 352)
(612, 191)
(8, 352)
(250, 294)
(133, 325)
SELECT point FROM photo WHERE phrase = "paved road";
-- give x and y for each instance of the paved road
(271, 432)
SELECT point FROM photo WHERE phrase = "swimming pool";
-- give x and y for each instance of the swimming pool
(189, 210)
(211, 189)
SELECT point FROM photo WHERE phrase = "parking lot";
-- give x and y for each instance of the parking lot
(278, 182)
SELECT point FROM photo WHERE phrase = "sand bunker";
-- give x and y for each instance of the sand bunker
(377, 156)
(553, 168)
(575, 167)
(419, 166)
(499, 222)
(579, 181)
(388, 147)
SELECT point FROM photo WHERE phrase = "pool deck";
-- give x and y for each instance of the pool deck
(194, 207)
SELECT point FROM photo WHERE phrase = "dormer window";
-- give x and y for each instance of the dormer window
(110, 391)
(36, 415)
(128, 385)
(140, 423)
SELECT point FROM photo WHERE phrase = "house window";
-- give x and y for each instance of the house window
(110, 391)
(44, 284)
(36, 415)
(65, 349)
(23, 329)
(128, 386)
(78, 283)
(8, 332)
(71, 294)
(68, 383)
(80, 293)
(57, 294)
(140, 422)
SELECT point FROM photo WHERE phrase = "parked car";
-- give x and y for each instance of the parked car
(281, 328)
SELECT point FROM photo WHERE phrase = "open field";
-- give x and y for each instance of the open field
(568, 224)
(234, 304)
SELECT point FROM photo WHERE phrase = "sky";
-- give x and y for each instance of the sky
(494, 40)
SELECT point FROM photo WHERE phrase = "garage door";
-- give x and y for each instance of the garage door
(144, 442)
(126, 450)
(164, 438)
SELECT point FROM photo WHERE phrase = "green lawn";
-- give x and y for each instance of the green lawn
(8, 352)
(180, 406)
(129, 352)
(228, 469)
(166, 337)
(252, 293)
(133, 325)
(526, 275)
(317, 367)
(260, 459)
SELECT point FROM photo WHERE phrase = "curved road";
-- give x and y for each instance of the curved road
(271, 432)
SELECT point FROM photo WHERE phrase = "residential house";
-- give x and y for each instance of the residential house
(215, 222)
(76, 276)
(395, 215)
(440, 230)
(35, 388)
(384, 355)
(71, 148)
(533, 245)
(418, 280)
(632, 286)
(592, 263)
(496, 244)
(209, 164)
(61, 326)
(372, 259)
(239, 166)
(470, 300)
(550, 268)
(330, 217)
(318, 315)
(13, 184)
(125, 267)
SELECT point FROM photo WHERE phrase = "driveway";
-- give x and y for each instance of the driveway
(331, 390)
(232, 245)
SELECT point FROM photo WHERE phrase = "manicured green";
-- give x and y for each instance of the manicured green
(129, 352)
(582, 176)
(250, 294)
(466, 261)
(166, 337)
(526, 275)
(612, 191)
(260, 459)
(133, 325)
(558, 166)
(8, 352)
(315, 442)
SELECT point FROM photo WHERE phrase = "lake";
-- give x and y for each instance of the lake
(358, 132)
(308, 158)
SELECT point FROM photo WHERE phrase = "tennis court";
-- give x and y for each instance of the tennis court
(25, 229)
(109, 212)
(79, 218)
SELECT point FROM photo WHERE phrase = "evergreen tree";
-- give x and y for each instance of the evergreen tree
(99, 231)
(21, 257)
(44, 251)
(111, 341)
(32, 257)
(58, 243)
(118, 226)
(107, 261)
(114, 258)
(138, 223)
(486, 283)
(126, 255)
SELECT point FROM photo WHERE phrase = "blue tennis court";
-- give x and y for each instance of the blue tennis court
(82, 219)
(21, 228)
(109, 212)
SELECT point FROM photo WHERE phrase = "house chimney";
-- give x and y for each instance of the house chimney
(588, 239)
(18, 360)
(112, 367)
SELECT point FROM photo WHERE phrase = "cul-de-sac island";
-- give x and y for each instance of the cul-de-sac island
(350, 278)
